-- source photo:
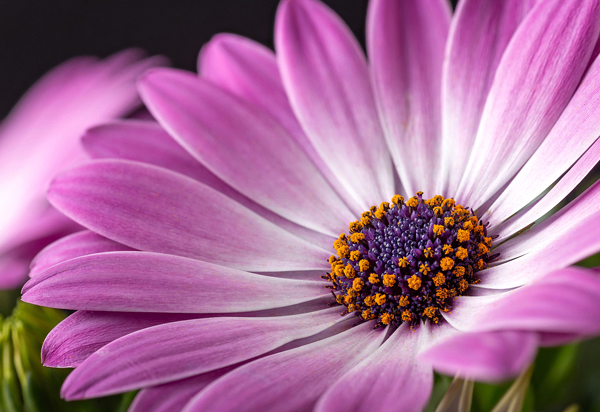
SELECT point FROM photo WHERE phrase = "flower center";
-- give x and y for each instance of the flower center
(406, 261)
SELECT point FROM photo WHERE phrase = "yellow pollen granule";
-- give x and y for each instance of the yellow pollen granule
(424, 268)
(386, 318)
(406, 316)
(480, 264)
(438, 229)
(412, 202)
(397, 199)
(403, 262)
(352, 293)
(339, 299)
(483, 249)
(355, 226)
(459, 271)
(352, 307)
(385, 206)
(463, 235)
(446, 263)
(365, 220)
(349, 271)
(368, 315)
(463, 285)
(369, 300)
(447, 249)
(449, 221)
(452, 293)
(338, 244)
(357, 284)
(468, 225)
(348, 299)
(338, 270)
(379, 214)
(439, 279)
(356, 237)
(442, 294)
(332, 259)
(389, 280)
(438, 210)
(414, 282)
(363, 265)
(488, 241)
(478, 230)
(343, 251)
(373, 278)
(429, 312)
(354, 255)
(428, 252)
(403, 301)
(380, 299)
(448, 203)
(462, 253)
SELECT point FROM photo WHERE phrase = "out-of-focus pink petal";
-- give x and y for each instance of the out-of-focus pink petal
(179, 350)
(535, 80)
(291, 380)
(484, 356)
(406, 40)
(72, 246)
(153, 282)
(153, 209)
(249, 70)
(557, 193)
(327, 81)
(564, 301)
(149, 143)
(390, 379)
(80, 335)
(479, 34)
(244, 146)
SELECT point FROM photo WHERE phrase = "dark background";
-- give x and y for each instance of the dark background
(36, 35)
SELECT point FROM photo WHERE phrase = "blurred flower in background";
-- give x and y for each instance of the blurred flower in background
(273, 155)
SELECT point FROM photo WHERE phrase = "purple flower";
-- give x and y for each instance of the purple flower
(40, 138)
(199, 279)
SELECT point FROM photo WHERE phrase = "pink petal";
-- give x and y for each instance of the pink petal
(249, 70)
(574, 133)
(245, 147)
(179, 350)
(565, 301)
(484, 356)
(80, 335)
(152, 282)
(326, 78)
(406, 40)
(390, 379)
(153, 209)
(291, 380)
(72, 246)
(535, 80)
(149, 143)
(479, 34)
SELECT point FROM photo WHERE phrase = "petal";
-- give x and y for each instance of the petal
(290, 380)
(574, 133)
(249, 70)
(244, 146)
(81, 334)
(390, 379)
(535, 80)
(485, 356)
(326, 78)
(406, 40)
(556, 194)
(147, 142)
(179, 350)
(153, 282)
(479, 34)
(565, 301)
(72, 246)
(153, 209)
(173, 396)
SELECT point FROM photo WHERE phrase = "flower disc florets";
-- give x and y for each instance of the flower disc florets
(406, 261)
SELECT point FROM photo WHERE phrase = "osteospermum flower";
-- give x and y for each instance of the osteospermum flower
(217, 265)
(40, 138)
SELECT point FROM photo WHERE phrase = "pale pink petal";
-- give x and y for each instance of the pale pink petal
(182, 349)
(535, 80)
(479, 34)
(484, 356)
(244, 146)
(326, 78)
(153, 209)
(390, 379)
(406, 40)
(291, 380)
(152, 282)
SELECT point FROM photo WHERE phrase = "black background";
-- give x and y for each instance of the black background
(36, 35)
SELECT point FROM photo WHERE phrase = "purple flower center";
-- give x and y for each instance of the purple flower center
(406, 261)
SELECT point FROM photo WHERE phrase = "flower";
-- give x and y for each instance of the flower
(40, 138)
(199, 277)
